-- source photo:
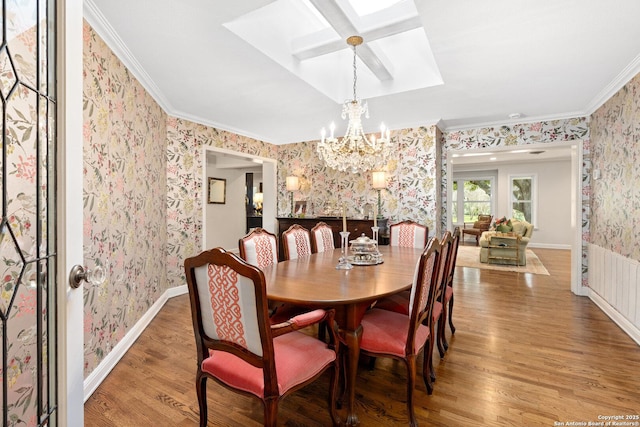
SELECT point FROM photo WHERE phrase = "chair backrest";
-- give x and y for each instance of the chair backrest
(259, 248)
(453, 255)
(229, 308)
(296, 242)
(321, 238)
(445, 258)
(425, 280)
(408, 234)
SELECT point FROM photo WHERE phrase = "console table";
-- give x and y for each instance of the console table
(354, 226)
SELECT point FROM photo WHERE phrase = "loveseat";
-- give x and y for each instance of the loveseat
(520, 228)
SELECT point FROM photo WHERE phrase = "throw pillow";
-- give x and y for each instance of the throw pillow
(505, 228)
(519, 227)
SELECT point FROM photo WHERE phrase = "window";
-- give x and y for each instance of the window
(471, 197)
(523, 201)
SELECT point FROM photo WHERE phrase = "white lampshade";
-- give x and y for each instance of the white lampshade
(292, 183)
(258, 198)
(379, 181)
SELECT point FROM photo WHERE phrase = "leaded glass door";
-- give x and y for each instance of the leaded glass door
(27, 224)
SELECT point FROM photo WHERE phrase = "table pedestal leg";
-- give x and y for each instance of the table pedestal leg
(352, 340)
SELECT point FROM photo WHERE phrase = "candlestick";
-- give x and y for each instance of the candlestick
(344, 219)
(375, 230)
(343, 262)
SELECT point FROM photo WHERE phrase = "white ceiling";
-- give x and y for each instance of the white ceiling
(254, 67)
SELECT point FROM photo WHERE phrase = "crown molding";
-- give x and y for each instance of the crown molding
(101, 26)
(624, 77)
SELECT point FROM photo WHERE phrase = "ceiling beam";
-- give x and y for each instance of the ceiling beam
(325, 41)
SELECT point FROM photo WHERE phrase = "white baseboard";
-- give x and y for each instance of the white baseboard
(548, 246)
(628, 327)
(98, 375)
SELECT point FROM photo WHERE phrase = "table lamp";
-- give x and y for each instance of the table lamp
(292, 185)
(379, 183)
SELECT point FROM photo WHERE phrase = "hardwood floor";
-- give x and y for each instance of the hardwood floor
(526, 352)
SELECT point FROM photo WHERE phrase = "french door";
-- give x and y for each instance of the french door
(36, 304)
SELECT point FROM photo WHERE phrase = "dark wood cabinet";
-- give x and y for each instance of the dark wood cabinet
(253, 222)
(354, 226)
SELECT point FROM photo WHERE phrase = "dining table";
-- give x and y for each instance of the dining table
(313, 281)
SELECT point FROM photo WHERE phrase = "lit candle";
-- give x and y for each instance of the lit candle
(344, 219)
(324, 134)
(381, 130)
(375, 216)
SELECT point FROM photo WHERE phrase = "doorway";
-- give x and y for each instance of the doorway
(572, 151)
(234, 166)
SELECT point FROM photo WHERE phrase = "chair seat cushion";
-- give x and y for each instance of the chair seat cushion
(397, 302)
(385, 332)
(298, 358)
(448, 293)
(437, 311)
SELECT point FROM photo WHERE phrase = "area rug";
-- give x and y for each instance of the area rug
(469, 256)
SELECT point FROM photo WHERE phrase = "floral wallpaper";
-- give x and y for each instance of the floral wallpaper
(410, 173)
(185, 142)
(125, 193)
(615, 139)
(547, 132)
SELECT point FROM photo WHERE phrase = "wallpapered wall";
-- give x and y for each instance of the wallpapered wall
(615, 138)
(185, 143)
(547, 132)
(411, 176)
(124, 198)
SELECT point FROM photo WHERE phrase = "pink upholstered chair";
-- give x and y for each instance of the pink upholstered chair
(390, 334)
(239, 349)
(448, 290)
(408, 234)
(321, 238)
(296, 242)
(259, 248)
(399, 303)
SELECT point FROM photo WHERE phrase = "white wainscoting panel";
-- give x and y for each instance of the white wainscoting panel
(614, 286)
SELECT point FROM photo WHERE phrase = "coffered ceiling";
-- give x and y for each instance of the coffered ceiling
(279, 70)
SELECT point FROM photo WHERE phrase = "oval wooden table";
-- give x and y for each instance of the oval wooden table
(314, 282)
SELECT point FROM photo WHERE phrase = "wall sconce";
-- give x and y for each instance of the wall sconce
(292, 185)
(379, 183)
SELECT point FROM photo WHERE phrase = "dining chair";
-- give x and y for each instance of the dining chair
(408, 234)
(400, 302)
(448, 290)
(259, 248)
(389, 334)
(296, 242)
(237, 346)
(321, 237)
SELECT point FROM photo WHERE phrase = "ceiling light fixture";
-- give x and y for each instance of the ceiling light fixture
(354, 152)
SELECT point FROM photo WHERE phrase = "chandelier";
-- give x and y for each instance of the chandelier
(355, 152)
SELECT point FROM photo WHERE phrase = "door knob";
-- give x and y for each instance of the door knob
(78, 273)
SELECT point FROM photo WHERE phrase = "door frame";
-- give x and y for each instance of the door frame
(70, 336)
(269, 188)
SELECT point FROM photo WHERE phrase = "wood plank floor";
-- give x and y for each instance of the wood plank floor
(526, 352)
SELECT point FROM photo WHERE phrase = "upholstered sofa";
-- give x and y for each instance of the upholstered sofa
(520, 228)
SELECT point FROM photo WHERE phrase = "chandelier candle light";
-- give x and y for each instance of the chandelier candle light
(355, 152)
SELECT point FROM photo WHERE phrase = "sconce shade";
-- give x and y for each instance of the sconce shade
(379, 181)
(258, 197)
(292, 183)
